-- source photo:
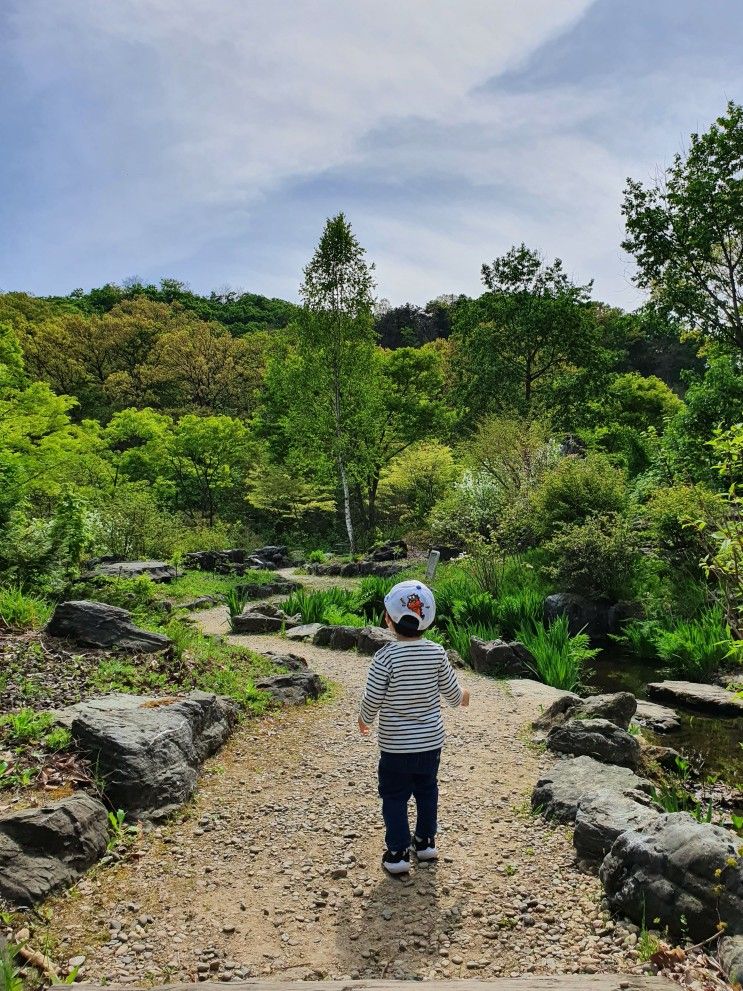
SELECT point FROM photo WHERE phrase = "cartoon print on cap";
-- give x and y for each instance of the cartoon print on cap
(415, 604)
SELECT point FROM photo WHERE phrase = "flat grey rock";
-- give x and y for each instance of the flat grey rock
(541, 696)
(46, 849)
(656, 717)
(373, 638)
(97, 624)
(604, 816)
(304, 632)
(156, 571)
(263, 617)
(337, 637)
(667, 871)
(148, 751)
(691, 695)
(597, 738)
(560, 790)
(618, 708)
(295, 688)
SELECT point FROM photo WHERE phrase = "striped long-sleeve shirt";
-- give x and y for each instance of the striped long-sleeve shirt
(404, 685)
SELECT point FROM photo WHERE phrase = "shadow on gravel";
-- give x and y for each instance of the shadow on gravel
(396, 935)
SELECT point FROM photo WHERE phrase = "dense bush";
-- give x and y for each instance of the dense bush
(577, 489)
(597, 558)
(559, 659)
(695, 649)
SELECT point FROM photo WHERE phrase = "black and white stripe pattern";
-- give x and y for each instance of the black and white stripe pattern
(405, 682)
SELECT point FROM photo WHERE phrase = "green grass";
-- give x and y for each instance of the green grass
(640, 637)
(313, 606)
(194, 584)
(559, 659)
(696, 648)
(20, 610)
(26, 726)
(458, 636)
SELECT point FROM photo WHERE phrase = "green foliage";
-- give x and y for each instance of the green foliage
(369, 596)
(559, 659)
(10, 974)
(317, 557)
(135, 594)
(516, 342)
(695, 649)
(597, 557)
(412, 484)
(577, 489)
(458, 635)
(640, 636)
(120, 833)
(685, 232)
(20, 610)
(26, 727)
(672, 512)
(313, 607)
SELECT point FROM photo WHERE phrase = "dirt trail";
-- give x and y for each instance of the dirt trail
(275, 868)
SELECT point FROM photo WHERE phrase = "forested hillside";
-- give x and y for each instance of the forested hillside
(143, 420)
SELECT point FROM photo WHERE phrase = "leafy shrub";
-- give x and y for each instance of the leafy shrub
(317, 557)
(597, 557)
(454, 584)
(470, 509)
(20, 610)
(696, 648)
(313, 606)
(576, 489)
(640, 636)
(559, 659)
(369, 597)
(671, 513)
(414, 482)
(478, 609)
(135, 594)
(517, 610)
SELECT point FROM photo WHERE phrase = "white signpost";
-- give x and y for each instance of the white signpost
(433, 560)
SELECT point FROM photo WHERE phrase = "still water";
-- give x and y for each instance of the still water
(718, 741)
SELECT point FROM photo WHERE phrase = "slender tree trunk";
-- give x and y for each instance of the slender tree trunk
(346, 504)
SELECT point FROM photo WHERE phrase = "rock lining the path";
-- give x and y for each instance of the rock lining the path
(148, 751)
(46, 849)
(257, 590)
(597, 738)
(604, 816)
(669, 871)
(617, 707)
(365, 639)
(262, 617)
(705, 698)
(98, 624)
(560, 790)
(500, 659)
(306, 631)
(295, 688)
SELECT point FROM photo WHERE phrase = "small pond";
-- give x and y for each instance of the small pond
(715, 739)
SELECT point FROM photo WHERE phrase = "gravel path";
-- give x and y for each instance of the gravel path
(275, 868)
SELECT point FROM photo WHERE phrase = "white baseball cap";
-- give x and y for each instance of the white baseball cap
(411, 598)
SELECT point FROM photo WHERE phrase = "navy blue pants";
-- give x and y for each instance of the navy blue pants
(402, 776)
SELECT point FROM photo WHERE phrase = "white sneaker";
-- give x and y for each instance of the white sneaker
(425, 849)
(396, 863)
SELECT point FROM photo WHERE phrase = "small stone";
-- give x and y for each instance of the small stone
(228, 928)
(76, 962)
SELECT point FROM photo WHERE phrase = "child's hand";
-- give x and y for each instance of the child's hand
(465, 699)
(363, 728)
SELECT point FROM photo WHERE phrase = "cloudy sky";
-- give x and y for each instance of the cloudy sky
(208, 140)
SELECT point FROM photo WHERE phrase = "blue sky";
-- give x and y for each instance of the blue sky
(209, 141)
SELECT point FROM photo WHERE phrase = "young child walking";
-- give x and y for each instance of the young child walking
(406, 680)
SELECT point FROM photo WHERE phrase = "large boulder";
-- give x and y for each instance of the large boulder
(390, 551)
(295, 688)
(258, 590)
(47, 849)
(685, 873)
(730, 954)
(156, 571)
(595, 617)
(304, 632)
(604, 816)
(597, 738)
(148, 751)
(560, 790)
(618, 708)
(373, 638)
(500, 659)
(96, 624)
(658, 718)
(337, 637)
(536, 694)
(263, 617)
(690, 695)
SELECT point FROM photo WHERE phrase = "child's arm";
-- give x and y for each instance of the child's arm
(449, 686)
(375, 692)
